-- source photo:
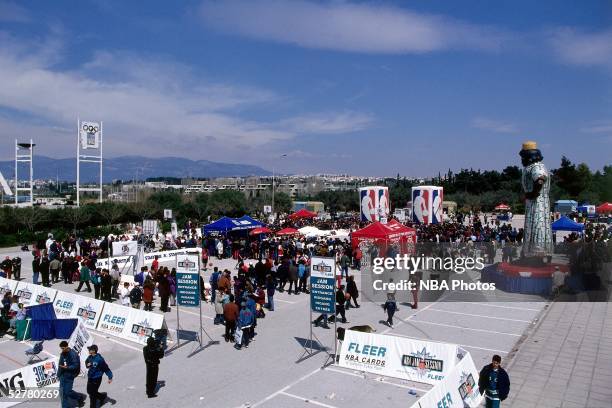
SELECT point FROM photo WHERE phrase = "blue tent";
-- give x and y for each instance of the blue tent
(226, 224)
(565, 224)
(46, 326)
(249, 223)
(222, 225)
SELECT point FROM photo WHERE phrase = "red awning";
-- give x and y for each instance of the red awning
(604, 208)
(260, 230)
(303, 213)
(502, 207)
(288, 231)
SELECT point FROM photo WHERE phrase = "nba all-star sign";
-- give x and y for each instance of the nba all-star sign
(30, 294)
(458, 390)
(125, 248)
(322, 285)
(188, 280)
(129, 323)
(399, 357)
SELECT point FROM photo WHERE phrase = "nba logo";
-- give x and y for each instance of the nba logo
(436, 216)
(368, 205)
(420, 203)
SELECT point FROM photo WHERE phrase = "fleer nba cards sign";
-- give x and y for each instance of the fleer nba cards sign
(322, 285)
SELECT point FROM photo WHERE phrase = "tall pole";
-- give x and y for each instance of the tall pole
(16, 180)
(272, 189)
(31, 172)
(101, 144)
(78, 175)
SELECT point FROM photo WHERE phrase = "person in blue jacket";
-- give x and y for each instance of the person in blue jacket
(69, 368)
(245, 322)
(97, 368)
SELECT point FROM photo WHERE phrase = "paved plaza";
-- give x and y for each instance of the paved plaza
(558, 354)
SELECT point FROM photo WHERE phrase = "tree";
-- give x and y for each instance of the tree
(76, 216)
(30, 217)
(111, 212)
(227, 202)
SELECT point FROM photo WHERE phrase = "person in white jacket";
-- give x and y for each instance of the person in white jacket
(124, 294)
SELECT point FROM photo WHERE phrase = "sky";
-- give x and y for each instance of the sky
(359, 87)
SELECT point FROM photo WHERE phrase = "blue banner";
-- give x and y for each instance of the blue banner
(322, 295)
(188, 289)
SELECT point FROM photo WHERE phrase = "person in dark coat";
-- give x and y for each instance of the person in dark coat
(44, 271)
(494, 383)
(164, 290)
(106, 284)
(352, 291)
(152, 352)
(69, 367)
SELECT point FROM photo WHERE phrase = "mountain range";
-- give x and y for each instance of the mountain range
(130, 168)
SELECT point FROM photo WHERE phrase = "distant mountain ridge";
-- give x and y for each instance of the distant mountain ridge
(131, 168)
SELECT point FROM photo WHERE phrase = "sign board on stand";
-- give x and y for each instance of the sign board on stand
(125, 248)
(322, 285)
(188, 280)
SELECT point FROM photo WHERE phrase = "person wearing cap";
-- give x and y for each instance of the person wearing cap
(69, 366)
(97, 368)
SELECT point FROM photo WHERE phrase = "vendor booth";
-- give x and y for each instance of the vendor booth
(605, 208)
(224, 225)
(301, 214)
(565, 224)
(287, 231)
(384, 239)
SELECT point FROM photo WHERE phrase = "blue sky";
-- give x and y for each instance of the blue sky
(362, 87)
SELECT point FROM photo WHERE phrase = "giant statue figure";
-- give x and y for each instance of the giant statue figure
(537, 240)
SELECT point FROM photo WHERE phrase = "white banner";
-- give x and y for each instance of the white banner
(79, 341)
(322, 267)
(89, 310)
(38, 375)
(30, 294)
(168, 214)
(125, 248)
(129, 323)
(399, 357)
(70, 305)
(90, 135)
(7, 285)
(458, 390)
(164, 256)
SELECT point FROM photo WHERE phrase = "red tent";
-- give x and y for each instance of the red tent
(288, 231)
(502, 207)
(385, 236)
(260, 230)
(604, 208)
(303, 213)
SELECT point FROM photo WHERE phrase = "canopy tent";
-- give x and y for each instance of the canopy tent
(303, 213)
(389, 239)
(565, 224)
(288, 231)
(604, 208)
(502, 207)
(227, 224)
(260, 230)
(248, 222)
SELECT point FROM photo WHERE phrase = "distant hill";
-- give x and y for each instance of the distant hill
(132, 167)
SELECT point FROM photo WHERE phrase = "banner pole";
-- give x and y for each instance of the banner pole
(200, 299)
(178, 326)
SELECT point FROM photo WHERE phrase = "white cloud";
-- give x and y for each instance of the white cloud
(369, 28)
(580, 48)
(492, 125)
(599, 127)
(329, 123)
(150, 106)
(12, 12)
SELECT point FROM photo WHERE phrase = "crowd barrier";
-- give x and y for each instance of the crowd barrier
(447, 367)
(110, 318)
(126, 261)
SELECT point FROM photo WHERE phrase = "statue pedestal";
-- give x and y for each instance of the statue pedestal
(525, 279)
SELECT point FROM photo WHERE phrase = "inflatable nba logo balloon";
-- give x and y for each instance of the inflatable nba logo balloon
(427, 204)
(374, 203)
